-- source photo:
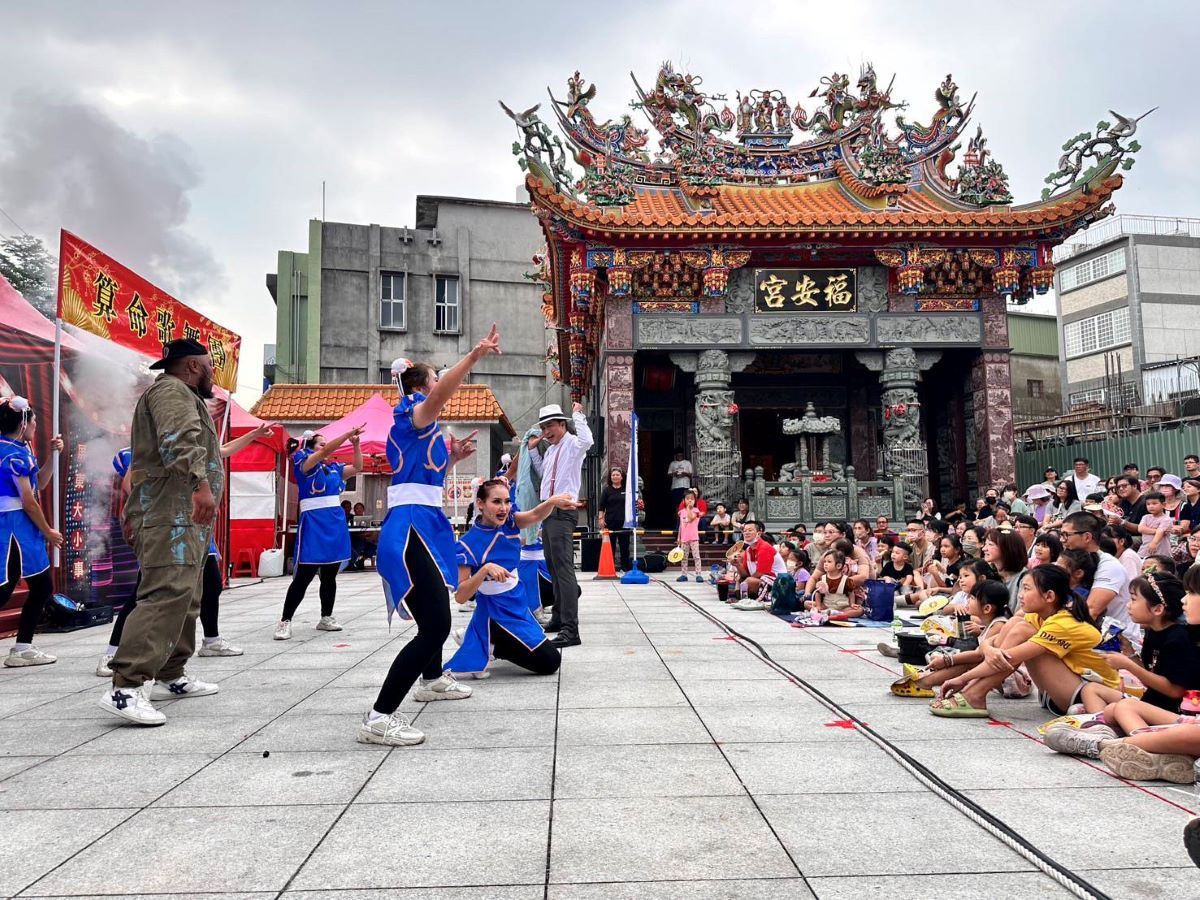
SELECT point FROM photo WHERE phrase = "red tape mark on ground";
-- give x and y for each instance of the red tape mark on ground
(724, 637)
(1101, 769)
(855, 654)
(340, 646)
(843, 723)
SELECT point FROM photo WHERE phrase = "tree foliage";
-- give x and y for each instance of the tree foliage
(31, 269)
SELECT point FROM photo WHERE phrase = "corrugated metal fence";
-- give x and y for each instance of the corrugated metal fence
(1158, 446)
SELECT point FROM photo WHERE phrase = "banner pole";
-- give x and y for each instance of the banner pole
(54, 429)
(226, 466)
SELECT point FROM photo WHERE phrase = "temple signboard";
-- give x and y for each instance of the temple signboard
(805, 290)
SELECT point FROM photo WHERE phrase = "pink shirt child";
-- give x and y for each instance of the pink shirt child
(689, 524)
(1164, 521)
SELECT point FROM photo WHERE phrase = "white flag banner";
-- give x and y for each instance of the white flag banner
(631, 477)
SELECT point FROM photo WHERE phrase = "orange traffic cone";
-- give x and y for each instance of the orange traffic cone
(608, 567)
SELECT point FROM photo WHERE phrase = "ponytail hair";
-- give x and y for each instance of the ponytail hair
(994, 594)
(15, 413)
(308, 439)
(1052, 579)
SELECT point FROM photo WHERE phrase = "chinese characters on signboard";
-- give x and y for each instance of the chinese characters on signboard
(805, 290)
(102, 296)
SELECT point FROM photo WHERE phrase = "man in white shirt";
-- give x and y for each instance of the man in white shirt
(1085, 482)
(563, 445)
(1109, 595)
(680, 472)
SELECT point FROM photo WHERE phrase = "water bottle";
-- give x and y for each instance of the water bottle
(896, 626)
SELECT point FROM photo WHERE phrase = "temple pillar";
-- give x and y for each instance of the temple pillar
(904, 450)
(991, 387)
(618, 381)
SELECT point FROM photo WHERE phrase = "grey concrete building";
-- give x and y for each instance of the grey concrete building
(1034, 362)
(362, 295)
(1128, 294)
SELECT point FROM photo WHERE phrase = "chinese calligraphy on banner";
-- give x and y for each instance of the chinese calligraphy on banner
(98, 294)
(805, 290)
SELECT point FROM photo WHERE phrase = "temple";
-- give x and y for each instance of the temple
(810, 298)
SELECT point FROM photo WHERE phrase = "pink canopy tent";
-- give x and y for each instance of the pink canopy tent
(376, 417)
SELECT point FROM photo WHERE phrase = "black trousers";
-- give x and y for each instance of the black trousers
(558, 533)
(210, 603)
(542, 660)
(620, 543)
(303, 577)
(41, 587)
(429, 603)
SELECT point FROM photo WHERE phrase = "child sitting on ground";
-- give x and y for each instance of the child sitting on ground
(1080, 567)
(898, 569)
(988, 606)
(1055, 639)
(834, 592)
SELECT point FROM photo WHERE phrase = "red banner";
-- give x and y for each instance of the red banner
(98, 294)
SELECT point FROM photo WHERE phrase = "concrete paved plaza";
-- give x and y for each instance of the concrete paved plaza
(665, 760)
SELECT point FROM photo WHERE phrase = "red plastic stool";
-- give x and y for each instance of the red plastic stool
(245, 558)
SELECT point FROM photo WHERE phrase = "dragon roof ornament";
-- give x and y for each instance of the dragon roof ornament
(704, 143)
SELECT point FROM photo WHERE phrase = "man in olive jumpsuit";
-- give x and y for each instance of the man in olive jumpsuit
(176, 480)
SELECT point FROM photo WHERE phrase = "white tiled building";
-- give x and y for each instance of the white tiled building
(1128, 294)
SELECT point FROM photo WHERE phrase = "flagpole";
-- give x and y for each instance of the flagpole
(54, 429)
(634, 575)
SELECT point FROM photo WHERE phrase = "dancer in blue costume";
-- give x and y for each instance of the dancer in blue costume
(488, 558)
(322, 534)
(417, 558)
(210, 600)
(24, 531)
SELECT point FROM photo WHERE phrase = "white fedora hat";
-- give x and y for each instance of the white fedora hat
(552, 413)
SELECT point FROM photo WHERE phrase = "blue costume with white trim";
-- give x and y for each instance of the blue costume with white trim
(418, 458)
(533, 571)
(322, 535)
(17, 461)
(502, 602)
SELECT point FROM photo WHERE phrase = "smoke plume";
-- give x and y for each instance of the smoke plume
(66, 164)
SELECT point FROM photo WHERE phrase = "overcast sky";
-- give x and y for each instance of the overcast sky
(190, 140)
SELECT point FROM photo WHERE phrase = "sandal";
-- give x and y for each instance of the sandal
(907, 687)
(956, 707)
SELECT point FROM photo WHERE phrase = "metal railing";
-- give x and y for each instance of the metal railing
(1118, 226)
(782, 503)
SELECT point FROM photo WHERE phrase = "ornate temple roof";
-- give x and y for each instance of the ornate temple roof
(854, 164)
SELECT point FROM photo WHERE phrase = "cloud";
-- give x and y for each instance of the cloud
(66, 163)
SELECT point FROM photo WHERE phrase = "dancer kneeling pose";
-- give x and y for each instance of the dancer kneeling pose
(416, 544)
(488, 561)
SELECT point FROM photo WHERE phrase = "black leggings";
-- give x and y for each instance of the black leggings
(41, 587)
(542, 660)
(429, 603)
(210, 603)
(305, 573)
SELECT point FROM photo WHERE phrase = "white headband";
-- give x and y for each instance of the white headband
(20, 404)
(400, 365)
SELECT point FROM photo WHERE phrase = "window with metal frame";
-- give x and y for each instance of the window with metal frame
(1108, 329)
(1111, 263)
(447, 308)
(393, 300)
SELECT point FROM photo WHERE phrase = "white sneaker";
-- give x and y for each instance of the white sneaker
(31, 656)
(328, 623)
(104, 667)
(467, 607)
(444, 688)
(748, 603)
(182, 687)
(219, 647)
(459, 634)
(283, 631)
(393, 731)
(132, 704)
(1080, 741)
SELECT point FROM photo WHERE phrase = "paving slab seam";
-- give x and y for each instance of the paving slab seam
(981, 817)
(215, 759)
(553, 783)
(720, 749)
